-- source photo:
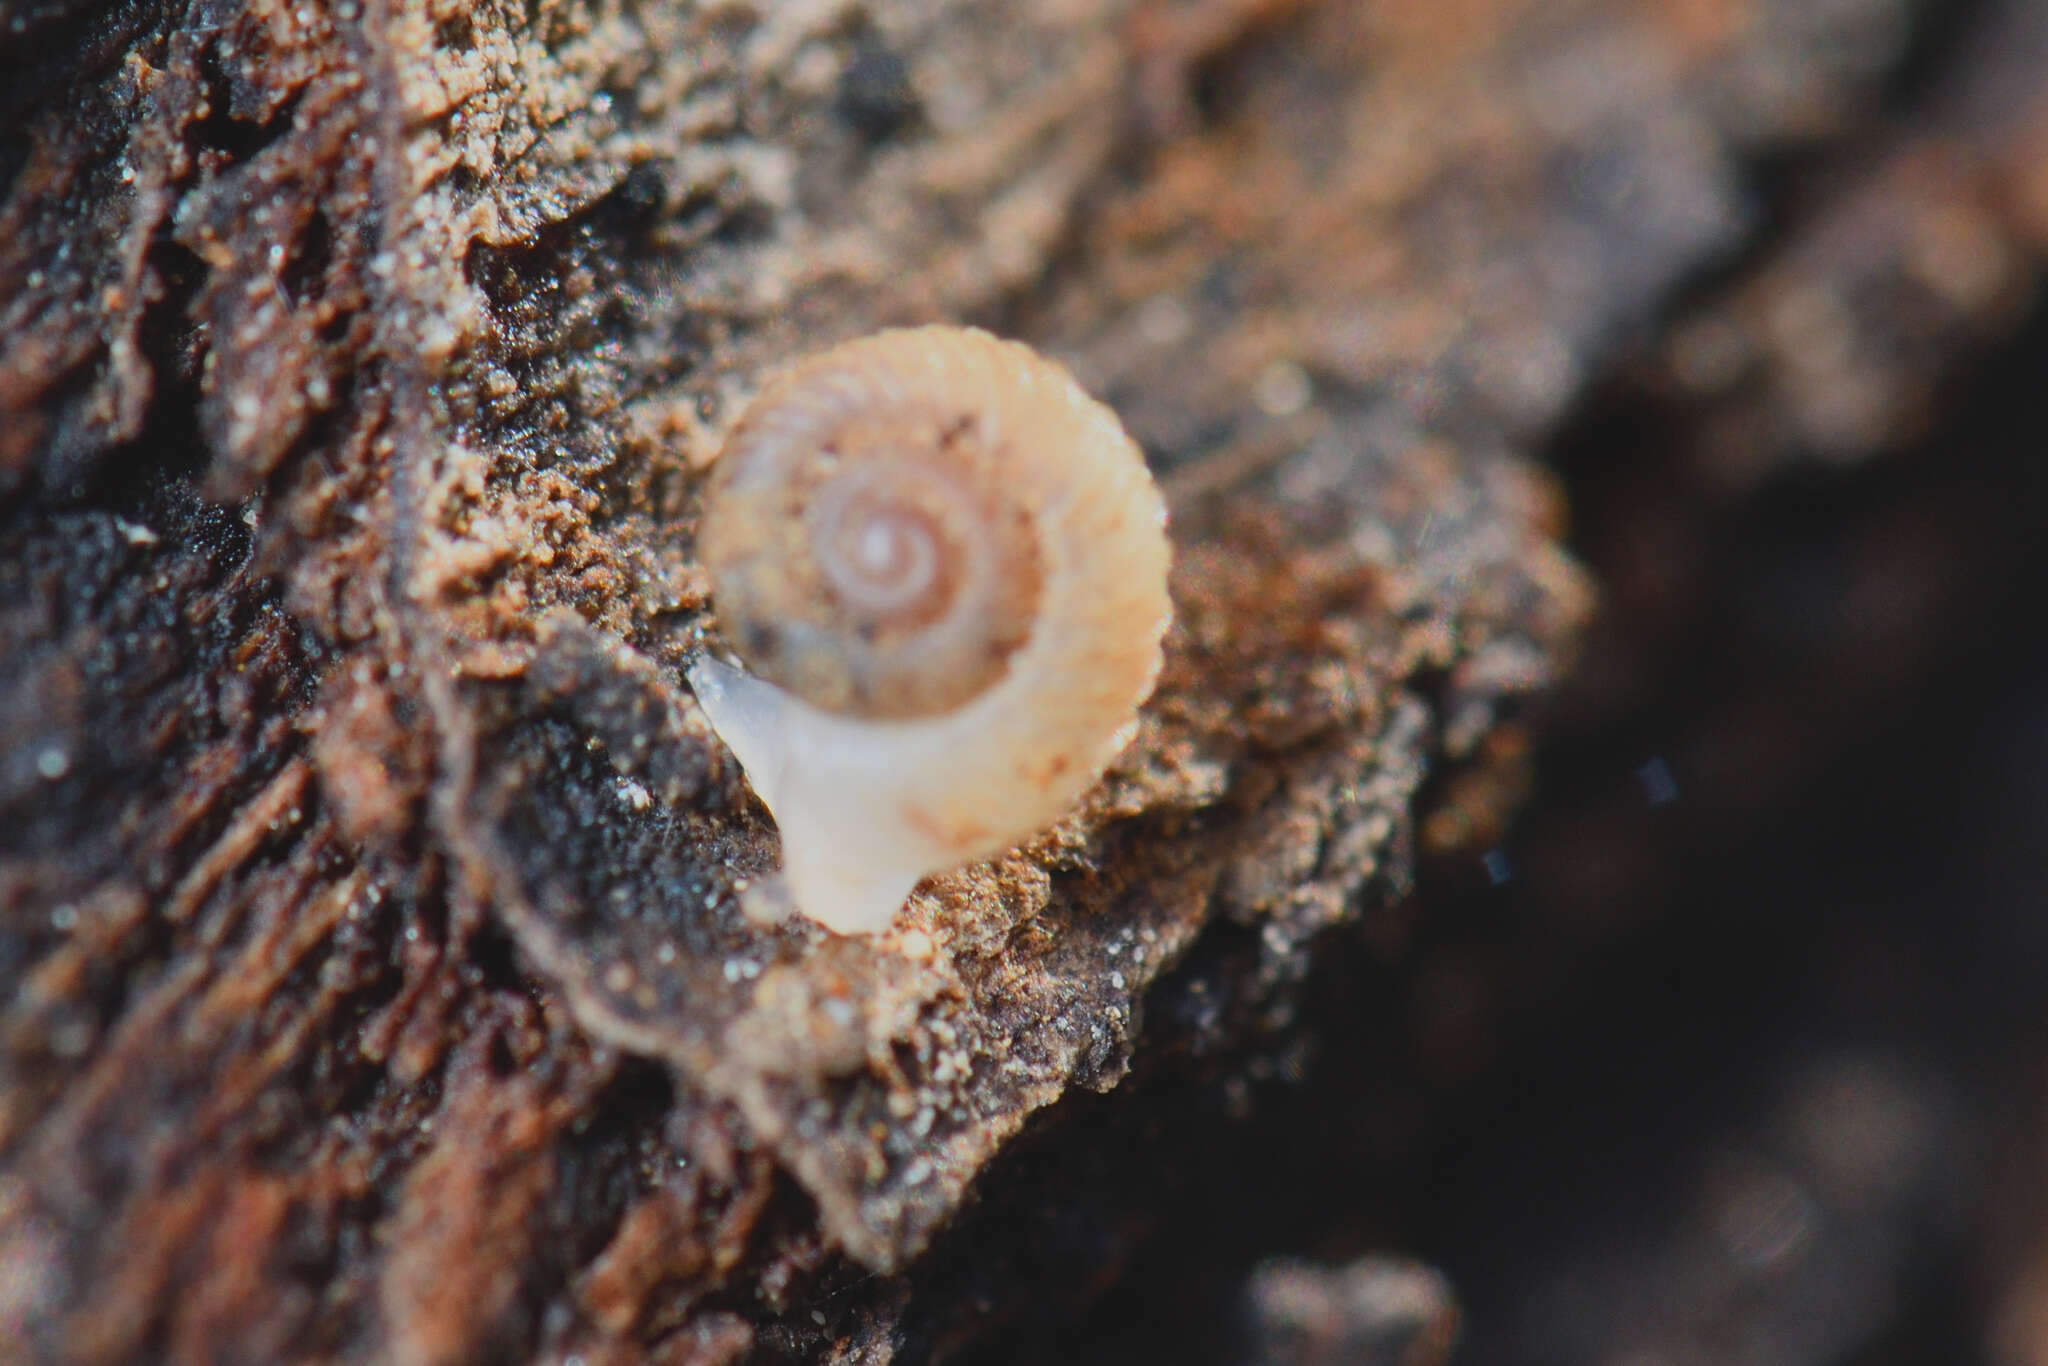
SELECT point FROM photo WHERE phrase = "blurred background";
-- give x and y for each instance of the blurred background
(1735, 1039)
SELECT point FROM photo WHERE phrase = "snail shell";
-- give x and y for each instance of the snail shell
(944, 565)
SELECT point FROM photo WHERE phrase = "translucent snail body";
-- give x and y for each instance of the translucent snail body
(944, 566)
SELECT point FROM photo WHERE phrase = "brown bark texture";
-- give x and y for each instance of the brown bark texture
(373, 980)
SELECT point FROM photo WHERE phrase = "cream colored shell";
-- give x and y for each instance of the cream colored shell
(945, 566)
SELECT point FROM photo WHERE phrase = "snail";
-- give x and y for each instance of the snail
(944, 567)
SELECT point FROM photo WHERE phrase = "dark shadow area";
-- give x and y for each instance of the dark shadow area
(1716, 1068)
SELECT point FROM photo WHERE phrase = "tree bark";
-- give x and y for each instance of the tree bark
(375, 982)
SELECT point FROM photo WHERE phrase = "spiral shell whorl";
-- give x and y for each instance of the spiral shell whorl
(868, 550)
(954, 562)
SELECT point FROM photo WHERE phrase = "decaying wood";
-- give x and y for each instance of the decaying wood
(376, 986)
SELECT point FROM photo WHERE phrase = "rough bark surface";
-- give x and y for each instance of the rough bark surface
(373, 984)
